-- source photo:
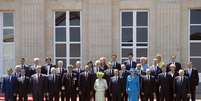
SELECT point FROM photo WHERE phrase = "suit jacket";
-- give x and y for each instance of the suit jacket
(54, 84)
(27, 70)
(181, 87)
(124, 79)
(86, 85)
(68, 83)
(9, 84)
(172, 80)
(116, 66)
(164, 80)
(128, 66)
(38, 84)
(76, 78)
(148, 85)
(177, 64)
(23, 85)
(44, 69)
(193, 78)
(115, 86)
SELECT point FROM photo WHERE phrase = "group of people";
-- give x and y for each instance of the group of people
(129, 81)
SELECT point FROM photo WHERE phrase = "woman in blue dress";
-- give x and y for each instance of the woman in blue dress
(133, 86)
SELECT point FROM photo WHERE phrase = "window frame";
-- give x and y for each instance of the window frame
(189, 36)
(134, 46)
(67, 42)
(2, 43)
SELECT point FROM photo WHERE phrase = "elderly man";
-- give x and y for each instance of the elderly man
(38, 85)
(173, 61)
(34, 66)
(181, 87)
(192, 74)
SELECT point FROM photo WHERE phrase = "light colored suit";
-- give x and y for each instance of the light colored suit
(100, 87)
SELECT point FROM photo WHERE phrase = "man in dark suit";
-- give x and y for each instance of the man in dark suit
(181, 87)
(165, 85)
(155, 71)
(76, 78)
(46, 69)
(85, 84)
(193, 78)
(148, 86)
(130, 63)
(115, 63)
(54, 85)
(173, 74)
(68, 85)
(25, 67)
(38, 85)
(23, 86)
(116, 86)
(123, 73)
(17, 75)
(173, 61)
(60, 67)
(108, 74)
(9, 86)
(103, 64)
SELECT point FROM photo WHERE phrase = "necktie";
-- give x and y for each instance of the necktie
(130, 64)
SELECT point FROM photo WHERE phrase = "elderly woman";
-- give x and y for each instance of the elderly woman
(133, 86)
(100, 86)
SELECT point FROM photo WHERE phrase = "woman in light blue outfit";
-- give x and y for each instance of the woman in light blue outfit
(133, 86)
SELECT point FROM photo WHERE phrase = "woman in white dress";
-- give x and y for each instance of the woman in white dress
(100, 87)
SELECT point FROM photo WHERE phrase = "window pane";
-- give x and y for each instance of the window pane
(74, 50)
(64, 62)
(75, 34)
(142, 19)
(142, 35)
(60, 34)
(196, 63)
(127, 35)
(195, 49)
(73, 61)
(126, 51)
(8, 35)
(60, 18)
(8, 19)
(75, 18)
(141, 52)
(127, 18)
(195, 16)
(60, 50)
(195, 32)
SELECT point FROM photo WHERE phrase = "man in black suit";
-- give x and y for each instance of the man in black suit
(38, 85)
(103, 64)
(148, 86)
(123, 73)
(115, 64)
(165, 85)
(54, 85)
(173, 74)
(192, 74)
(115, 86)
(25, 67)
(130, 63)
(108, 74)
(155, 71)
(34, 66)
(181, 87)
(173, 61)
(46, 69)
(23, 86)
(67, 85)
(85, 85)
(17, 75)
(76, 78)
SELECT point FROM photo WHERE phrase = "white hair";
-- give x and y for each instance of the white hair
(36, 59)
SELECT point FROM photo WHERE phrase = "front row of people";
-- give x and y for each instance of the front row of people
(116, 85)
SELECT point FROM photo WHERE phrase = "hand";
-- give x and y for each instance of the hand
(122, 94)
(174, 95)
(142, 93)
(189, 95)
(80, 92)
(63, 88)
(110, 94)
